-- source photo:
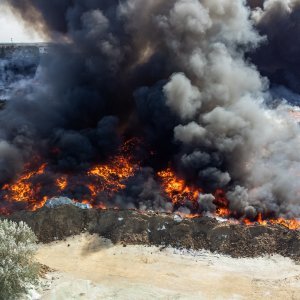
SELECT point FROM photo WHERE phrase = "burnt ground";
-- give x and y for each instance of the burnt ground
(133, 227)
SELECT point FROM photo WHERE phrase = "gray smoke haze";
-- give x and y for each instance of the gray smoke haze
(18, 66)
(177, 73)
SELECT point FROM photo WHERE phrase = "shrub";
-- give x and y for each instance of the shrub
(18, 271)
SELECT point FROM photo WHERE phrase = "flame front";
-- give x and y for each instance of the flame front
(31, 192)
(291, 224)
(103, 181)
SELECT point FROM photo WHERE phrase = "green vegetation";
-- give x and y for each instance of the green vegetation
(18, 271)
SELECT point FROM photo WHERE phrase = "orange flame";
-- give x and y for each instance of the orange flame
(24, 191)
(291, 224)
(62, 183)
(112, 175)
(177, 189)
(179, 192)
(110, 178)
(223, 212)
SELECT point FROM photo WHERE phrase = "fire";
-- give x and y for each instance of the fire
(23, 190)
(291, 224)
(93, 189)
(62, 183)
(180, 192)
(112, 175)
(100, 183)
(109, 178)
(223, 212)
(31, 192)
(177, 189)
(40, 204)
(222, 204)
(259, 220)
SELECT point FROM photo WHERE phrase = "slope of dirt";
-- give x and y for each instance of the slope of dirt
(136, 228)
(97, 269)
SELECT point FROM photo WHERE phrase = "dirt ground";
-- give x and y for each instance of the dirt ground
(89, 267)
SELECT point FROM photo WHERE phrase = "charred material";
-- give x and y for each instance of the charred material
(161, 229)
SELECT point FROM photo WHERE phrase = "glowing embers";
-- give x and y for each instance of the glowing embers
(177, 189)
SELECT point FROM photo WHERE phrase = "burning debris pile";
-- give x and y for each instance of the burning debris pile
(106, 186)
(153, 106)
(39, 184)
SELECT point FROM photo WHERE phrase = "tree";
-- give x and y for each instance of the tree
(18, 271)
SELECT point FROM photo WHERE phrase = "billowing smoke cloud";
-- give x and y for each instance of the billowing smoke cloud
(174, 72)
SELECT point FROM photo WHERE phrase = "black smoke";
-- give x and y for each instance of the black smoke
(175, 74)
(278, 56)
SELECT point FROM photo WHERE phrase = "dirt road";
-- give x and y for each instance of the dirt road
(89, 267)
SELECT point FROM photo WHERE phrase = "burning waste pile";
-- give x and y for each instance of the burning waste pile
(171, 106)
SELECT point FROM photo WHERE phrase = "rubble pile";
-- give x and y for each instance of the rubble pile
(149, 228)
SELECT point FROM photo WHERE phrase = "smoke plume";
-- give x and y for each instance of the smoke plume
(176, 73)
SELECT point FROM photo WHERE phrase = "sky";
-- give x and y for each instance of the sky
(13, 29)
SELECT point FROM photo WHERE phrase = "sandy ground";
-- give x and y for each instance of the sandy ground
(89, 267)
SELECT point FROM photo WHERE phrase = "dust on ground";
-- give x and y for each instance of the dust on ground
(90, 267)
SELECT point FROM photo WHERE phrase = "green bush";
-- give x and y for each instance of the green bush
(18, 271)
